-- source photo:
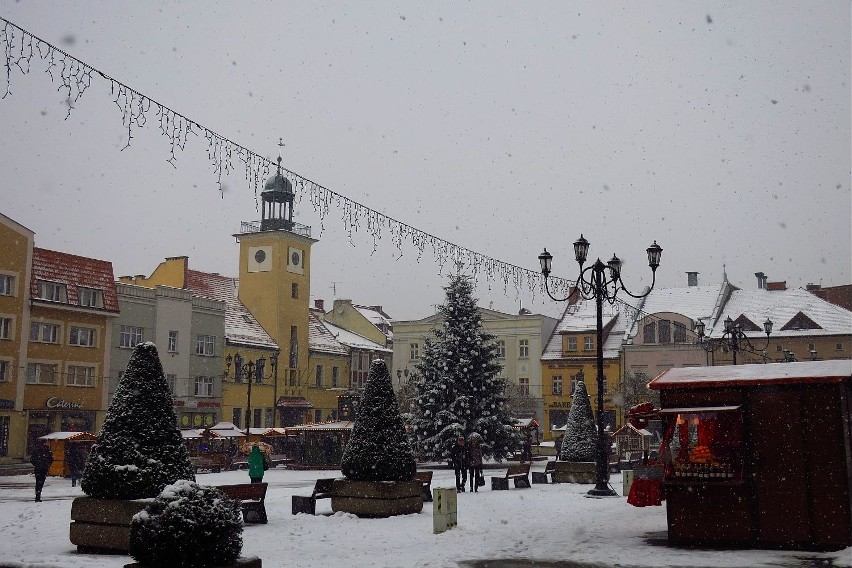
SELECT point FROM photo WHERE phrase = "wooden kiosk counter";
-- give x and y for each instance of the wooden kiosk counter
(758, 455)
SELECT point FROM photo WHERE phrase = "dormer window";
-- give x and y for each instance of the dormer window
(52, 291)
(90, 297)
(800, 321)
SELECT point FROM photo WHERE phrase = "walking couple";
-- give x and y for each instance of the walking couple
(467, 463)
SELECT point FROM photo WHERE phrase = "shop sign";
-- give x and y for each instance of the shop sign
(560, 404)
(56, 402)
(209, 405)
(6, 404)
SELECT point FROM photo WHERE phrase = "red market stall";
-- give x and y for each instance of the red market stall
(758, 455)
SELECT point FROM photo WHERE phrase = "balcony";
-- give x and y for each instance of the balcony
(274, 225)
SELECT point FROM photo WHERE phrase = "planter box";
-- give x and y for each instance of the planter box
(575, 472)
(103, 524)
(242, 562)
(377, 498)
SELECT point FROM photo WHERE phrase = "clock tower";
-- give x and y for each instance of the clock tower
(275, 283)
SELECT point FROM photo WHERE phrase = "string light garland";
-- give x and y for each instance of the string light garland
(22, 50)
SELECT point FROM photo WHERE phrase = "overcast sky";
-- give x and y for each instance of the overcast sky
(722, 130)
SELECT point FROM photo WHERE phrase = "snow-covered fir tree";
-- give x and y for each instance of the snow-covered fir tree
(139, 449)
(378, 449)
(580, 441)
(457, 389)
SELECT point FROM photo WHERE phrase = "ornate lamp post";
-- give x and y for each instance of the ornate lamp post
(733, 338)
(253, 371)
(593, 283)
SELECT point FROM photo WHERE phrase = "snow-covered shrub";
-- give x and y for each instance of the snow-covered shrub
(187, 526)
(139, 448)
(378, 449)
(580, 442)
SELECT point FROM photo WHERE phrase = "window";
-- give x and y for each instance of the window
(90, 297)
(173, 338)
(573, 384)
(171, 378)
(501, 349)
(335, 377)
(294, 347)
(572, 343)
(649, 333)
(414, 351)
(679, 332)
(5, 371)
(42, 373)
(588, 343)
(294, 290)
(258, 416)
(319, 376)
(203, 386)
(557, 385)
(6, 328)
(82, 336)
(267, 418)
(7, 285)
(237, 417)
(317, 415)
(705, 443)
(524, 348)
(130, 336)
(204, 345)
(524, 383)
(51, 291)
(665, 331)
(80, 376)
(44, 332)
(838, 347)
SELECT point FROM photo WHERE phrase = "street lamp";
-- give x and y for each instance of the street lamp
(593, 283)
(252, 370)
(733, 338)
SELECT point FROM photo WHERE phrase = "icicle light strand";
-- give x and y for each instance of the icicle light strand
(21, 48)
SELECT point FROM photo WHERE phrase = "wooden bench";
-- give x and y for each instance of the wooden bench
(425, 478)
(541, 477)
(520, 474)
(251, 497)
(322, 490)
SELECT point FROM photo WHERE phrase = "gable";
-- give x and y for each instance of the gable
(800, 321)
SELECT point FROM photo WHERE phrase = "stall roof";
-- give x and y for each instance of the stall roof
(82, 436)
(834, 371)
(321, 427)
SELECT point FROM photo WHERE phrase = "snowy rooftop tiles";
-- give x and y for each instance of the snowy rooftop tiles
(354, 340)
(322, 340)
(75, 272)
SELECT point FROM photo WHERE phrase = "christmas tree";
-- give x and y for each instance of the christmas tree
(139, 449)
(457, 389)
(580, 441)
(378, 449)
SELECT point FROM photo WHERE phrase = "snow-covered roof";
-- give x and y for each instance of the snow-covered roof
(353, 340)
(376, 316)
(782, 306)
(240, 326)
(321, 340)
(339, 425)
(693, 302)
(75, 272)
(835, 370)
(68, 436)
(581, 317)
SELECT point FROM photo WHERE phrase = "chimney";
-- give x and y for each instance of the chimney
(775, 286)
(761, 280)
(812, 287)
(692, 279)
(319, 304)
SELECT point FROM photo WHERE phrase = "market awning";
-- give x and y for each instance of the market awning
(294, 402)
(70, 436)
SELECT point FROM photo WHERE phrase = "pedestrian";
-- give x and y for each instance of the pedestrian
(558, 444)
(255, 465)
(458, 457)
(41, 459)
(526, 454)
(474, 463)
(75, 460)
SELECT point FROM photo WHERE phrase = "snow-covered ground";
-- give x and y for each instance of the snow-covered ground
(546, 523)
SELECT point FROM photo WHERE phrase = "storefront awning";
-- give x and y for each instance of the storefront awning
(293, 402)
(699, 409)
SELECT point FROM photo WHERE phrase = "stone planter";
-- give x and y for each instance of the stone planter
(103, 524)
(242, 562)
(377, 498)
(575, 472)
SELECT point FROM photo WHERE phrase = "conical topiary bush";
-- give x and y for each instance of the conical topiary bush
(378, 449)
(580, 442)
(139, 450)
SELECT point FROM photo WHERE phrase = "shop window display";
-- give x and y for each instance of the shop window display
(703, 444)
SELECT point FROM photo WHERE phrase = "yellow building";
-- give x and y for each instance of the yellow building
(330, 366)
(573, 347)
(56, 312)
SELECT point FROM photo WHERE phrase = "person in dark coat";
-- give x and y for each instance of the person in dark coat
(41, 459)
(76, 461)
(458, 457)
(255, 465)
(474, 462)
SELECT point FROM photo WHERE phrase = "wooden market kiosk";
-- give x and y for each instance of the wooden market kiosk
(758, 455)
(58, 443)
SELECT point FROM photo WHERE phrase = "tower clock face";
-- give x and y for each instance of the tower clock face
(295, 259)
(260, 256)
